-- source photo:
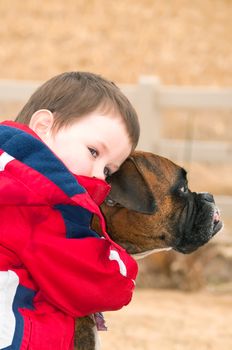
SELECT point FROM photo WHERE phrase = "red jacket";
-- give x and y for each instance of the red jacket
(53, 267)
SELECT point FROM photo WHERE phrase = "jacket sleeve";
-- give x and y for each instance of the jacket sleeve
(81, 276)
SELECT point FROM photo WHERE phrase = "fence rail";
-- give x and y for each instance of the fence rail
(150, 99)
(16, 90)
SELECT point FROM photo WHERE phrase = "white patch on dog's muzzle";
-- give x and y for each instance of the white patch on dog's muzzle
(148, 252)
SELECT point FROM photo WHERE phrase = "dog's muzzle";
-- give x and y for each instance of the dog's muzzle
(199, 222)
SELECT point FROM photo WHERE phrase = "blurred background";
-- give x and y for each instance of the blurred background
(173, 59)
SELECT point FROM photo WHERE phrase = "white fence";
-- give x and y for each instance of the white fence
(150, 98)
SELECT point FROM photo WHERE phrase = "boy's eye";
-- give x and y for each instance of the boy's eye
(93, 151)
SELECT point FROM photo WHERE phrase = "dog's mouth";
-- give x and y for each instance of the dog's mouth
(217, 222)
(206, 226)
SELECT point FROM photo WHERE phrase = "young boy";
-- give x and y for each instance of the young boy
(74, 131)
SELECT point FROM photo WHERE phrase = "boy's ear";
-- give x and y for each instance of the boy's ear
(41, 122)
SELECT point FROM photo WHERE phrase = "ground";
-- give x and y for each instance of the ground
(171, 320)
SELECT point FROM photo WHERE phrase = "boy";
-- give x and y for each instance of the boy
(74, 131)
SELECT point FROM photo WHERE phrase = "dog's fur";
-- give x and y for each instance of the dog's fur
(150, 208)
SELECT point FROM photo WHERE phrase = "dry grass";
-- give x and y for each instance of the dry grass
(181, 41)
(167, 320)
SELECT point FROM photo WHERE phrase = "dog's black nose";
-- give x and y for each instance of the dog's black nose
(207, 197)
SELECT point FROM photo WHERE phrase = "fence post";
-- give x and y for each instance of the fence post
(147, 106)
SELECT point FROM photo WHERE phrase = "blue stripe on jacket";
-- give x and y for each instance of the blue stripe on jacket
(23, 299)
(77, 221)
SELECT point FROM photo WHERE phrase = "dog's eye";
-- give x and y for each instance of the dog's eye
(183, 189)
(110, 202)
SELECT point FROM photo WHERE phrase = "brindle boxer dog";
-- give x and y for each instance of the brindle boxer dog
(151, 208)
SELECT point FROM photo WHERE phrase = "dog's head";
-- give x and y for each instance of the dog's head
(151, 207)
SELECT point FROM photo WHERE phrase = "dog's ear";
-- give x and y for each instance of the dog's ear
(129, 189)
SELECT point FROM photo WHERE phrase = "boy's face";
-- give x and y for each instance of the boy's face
(95, 145)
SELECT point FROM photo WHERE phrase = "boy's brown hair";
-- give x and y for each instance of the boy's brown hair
(72, 95)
